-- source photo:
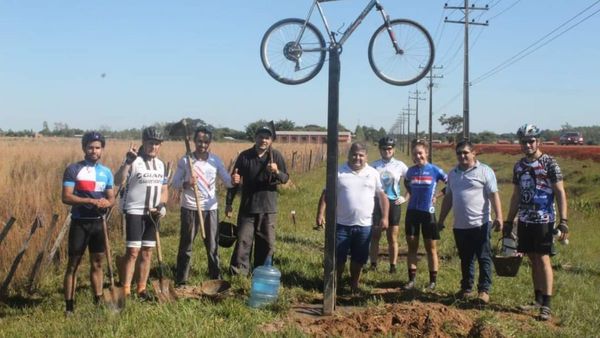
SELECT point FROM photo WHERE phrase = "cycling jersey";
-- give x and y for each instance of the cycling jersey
(391, 173)
(88, 180)
(144, 185)
(535, 180)
(422, 182)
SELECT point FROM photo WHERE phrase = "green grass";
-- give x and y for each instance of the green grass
(299, 256)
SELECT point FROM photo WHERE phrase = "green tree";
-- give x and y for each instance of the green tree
(359, 134)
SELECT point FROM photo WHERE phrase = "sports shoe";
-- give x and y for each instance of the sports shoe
(545, 313)
(393, 268)
(69, 313)
(483, 297)
(430, 287)
(530, 306)
(409, 286)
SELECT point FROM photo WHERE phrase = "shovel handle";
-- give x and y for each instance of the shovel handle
(108, 253)
(158, 249)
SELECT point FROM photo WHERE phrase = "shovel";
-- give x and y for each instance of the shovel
(114, 297)
(163, 287)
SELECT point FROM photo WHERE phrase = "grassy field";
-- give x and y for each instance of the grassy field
(299, 256)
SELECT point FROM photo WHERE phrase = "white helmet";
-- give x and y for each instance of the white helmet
(528, 131)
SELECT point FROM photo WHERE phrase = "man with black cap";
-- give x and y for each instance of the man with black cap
(259, 170)
(143, 202)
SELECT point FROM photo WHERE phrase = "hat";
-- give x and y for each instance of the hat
(263, 129)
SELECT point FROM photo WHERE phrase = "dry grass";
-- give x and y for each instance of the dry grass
(32, 172)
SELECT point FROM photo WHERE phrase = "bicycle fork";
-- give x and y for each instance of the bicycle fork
(386, 20)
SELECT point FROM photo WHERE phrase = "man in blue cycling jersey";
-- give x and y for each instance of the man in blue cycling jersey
(88, 189)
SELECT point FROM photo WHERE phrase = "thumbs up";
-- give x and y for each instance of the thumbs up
(235, 177)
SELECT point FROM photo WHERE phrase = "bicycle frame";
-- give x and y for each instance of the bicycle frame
(349, 30)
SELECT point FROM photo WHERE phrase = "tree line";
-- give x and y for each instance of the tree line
(451, 124)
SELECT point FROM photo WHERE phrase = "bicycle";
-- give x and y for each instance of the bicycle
(293, 50)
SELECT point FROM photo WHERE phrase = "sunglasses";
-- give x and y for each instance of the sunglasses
(386, 148)
(530, 141)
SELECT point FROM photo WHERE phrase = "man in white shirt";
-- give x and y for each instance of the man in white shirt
(357, 186)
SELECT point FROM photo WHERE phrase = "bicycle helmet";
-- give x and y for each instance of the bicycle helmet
(386, 142)
(528, 131)
(151, 133)
(92, 136)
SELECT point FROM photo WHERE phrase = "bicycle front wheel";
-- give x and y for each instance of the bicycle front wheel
(292, 51)
(403, 54)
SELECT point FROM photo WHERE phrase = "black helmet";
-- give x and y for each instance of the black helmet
(386, 142)
(151, 133)
(92, 136)
(528, 131)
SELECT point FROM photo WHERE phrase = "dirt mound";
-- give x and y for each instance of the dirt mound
(413, 319)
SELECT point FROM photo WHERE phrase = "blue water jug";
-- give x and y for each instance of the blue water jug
(265, 284)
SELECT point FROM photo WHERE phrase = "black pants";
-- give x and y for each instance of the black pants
(257, 230)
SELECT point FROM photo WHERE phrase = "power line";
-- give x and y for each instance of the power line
(504, 10)
(537, 44)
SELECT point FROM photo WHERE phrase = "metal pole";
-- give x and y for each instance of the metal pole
(466, 75)
(329, 279)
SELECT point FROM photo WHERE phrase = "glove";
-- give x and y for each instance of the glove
(161, 210)
(507, 228)
(563, 227)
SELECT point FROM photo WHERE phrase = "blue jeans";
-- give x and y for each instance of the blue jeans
(353, 240)
(475, 243)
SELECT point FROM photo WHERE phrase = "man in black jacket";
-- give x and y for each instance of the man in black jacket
(259, 170)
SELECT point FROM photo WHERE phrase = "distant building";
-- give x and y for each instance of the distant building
(316, 137)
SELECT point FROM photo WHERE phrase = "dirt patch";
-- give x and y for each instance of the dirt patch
(414, 319)
(406, 319)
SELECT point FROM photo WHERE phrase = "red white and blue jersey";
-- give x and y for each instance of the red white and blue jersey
(88, 180)
(422, 182)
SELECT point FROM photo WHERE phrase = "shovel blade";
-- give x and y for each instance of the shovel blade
(114, 298)
(164, 291)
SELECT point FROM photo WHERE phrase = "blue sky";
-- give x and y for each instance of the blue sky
(164, 60)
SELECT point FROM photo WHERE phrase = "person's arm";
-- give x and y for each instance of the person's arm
(512, 212)
(561, 200)
(497, 206)
(320, 219)
(180, 173)
(278, 169)
(384, 205)
(446, 207)
(223, 173)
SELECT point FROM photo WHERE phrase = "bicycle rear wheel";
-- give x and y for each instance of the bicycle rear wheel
(290, 62)
(413, 59)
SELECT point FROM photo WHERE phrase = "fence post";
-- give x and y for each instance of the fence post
(37, 266)
(310, 161)
(7, 228)
(4, 288)
(59, 238)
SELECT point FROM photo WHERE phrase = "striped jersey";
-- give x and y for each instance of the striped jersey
(88, 180)
(144, 185)
(422, 182)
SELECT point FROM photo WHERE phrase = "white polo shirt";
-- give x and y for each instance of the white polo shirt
(470, 191)
(356, 191)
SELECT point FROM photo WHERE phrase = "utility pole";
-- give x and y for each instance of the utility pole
(466, 84)
(407, 113)
(417, 98)
(430, 86)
